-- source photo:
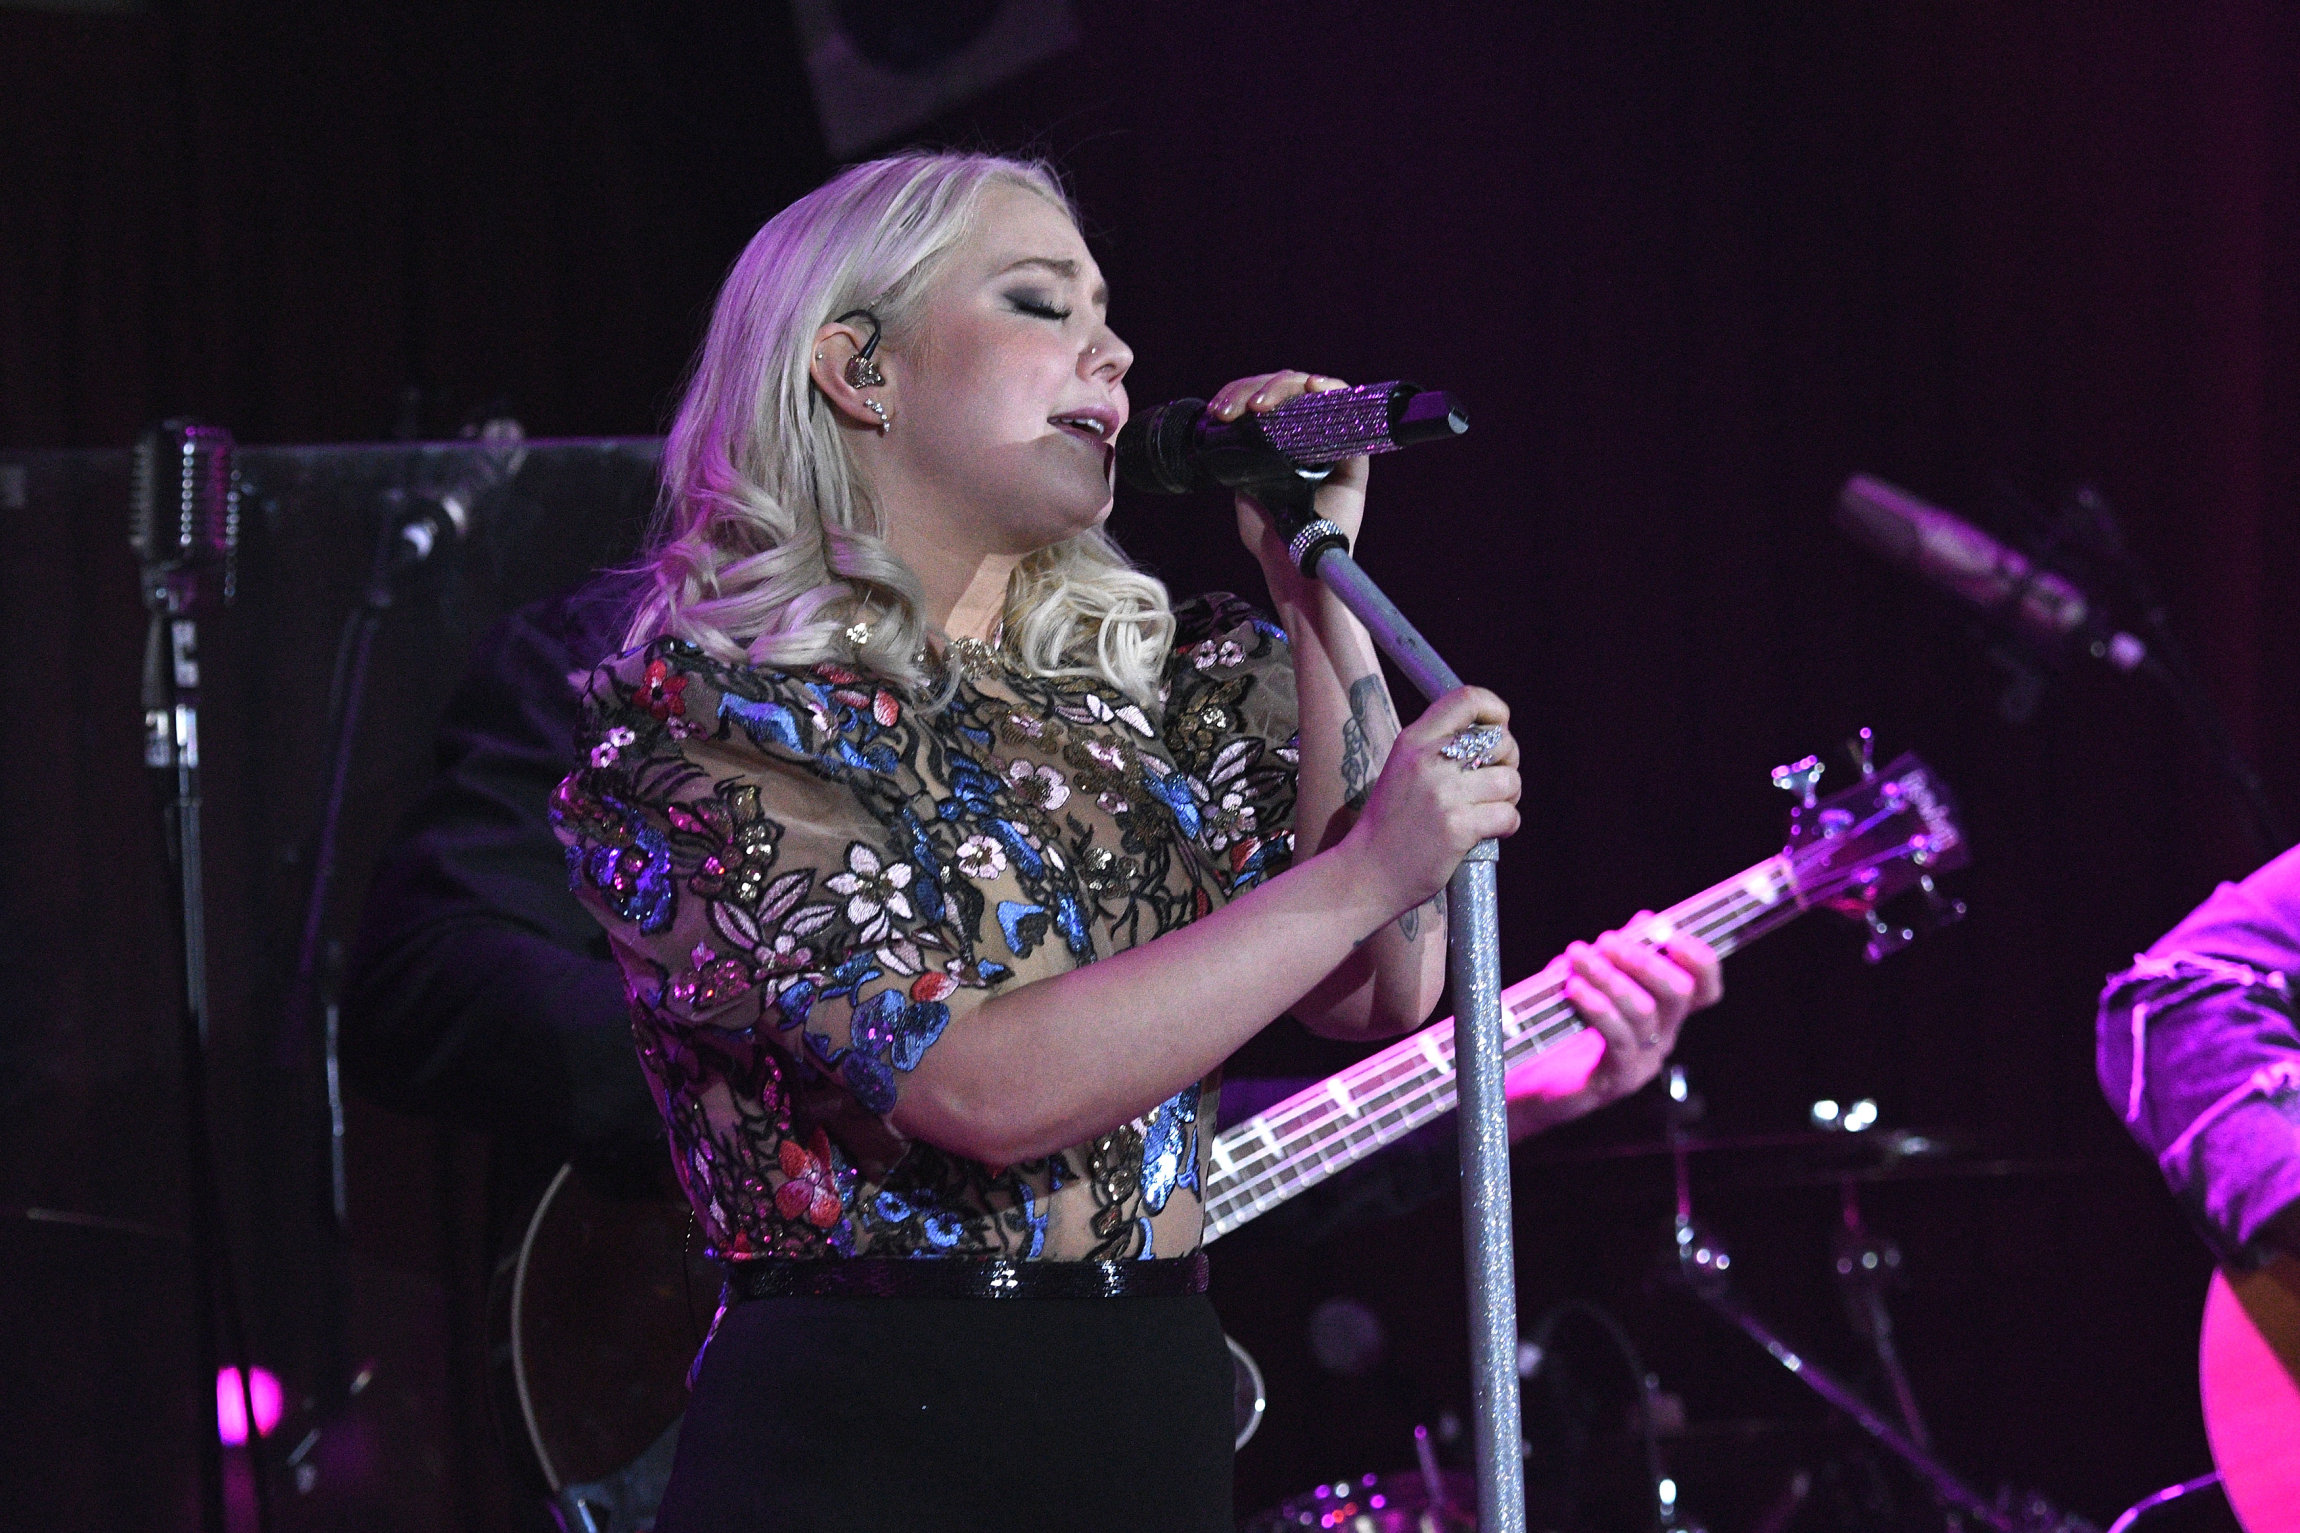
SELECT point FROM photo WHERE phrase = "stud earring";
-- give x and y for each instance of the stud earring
(879, 410)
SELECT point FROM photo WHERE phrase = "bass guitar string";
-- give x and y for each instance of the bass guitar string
(1382, 1116)
(1720, 915)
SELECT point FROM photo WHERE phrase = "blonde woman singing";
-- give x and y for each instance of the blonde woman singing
(947, 861)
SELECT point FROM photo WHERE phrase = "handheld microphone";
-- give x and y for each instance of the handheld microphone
(1178, 447)
(1977, 569)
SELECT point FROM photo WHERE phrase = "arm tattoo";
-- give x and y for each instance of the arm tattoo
(1410, 924)
(1373, 725)
(1369, 712)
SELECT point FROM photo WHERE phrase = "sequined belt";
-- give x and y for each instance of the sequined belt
(894, 1277)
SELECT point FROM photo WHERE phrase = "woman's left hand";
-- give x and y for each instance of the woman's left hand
(1341, 499)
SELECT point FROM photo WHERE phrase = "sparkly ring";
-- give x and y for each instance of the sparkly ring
(1473, 747)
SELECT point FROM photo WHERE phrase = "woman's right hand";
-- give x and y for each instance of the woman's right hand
(1426, 811)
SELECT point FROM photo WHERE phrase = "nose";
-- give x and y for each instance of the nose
(1106, 357)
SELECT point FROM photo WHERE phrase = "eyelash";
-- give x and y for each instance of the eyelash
(1034, 307)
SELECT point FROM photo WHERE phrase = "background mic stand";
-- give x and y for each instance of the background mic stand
(1474, 970)
(319, 961)
(2090, 525)
(188, 567)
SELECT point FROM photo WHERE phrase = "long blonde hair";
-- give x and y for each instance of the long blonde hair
(765, 548)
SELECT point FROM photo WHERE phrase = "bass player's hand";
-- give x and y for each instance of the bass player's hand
(1634, 996)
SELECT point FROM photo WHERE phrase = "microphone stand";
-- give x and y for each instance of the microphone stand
(174, 596)
(318, 961)
(1473, 968)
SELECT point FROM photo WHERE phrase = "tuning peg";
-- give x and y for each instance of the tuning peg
(1942, 909)
(1885, 938)
(1863, 749)
(1800, 779)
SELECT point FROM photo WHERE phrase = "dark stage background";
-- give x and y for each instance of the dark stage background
(1690, 265)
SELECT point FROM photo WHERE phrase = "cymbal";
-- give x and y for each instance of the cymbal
(1820, 1157)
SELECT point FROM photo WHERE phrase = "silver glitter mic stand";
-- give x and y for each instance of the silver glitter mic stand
(1474, 969)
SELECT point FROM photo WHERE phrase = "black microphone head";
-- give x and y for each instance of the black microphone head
(1154, 449)
(1427, 415)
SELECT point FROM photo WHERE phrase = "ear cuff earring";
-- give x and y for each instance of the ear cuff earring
(879, 410)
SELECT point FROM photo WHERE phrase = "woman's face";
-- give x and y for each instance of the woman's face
(1008, 391)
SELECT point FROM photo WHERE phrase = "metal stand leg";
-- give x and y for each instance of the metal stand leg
(1474, 969)
(1701, 1265)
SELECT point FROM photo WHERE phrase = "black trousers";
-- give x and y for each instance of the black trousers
(1108, 1415)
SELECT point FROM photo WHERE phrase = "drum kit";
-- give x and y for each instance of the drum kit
(1845, 1146)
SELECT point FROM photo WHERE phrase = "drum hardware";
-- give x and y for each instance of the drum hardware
(1788, 1504)
(1424, 1499)
(1654, 1414)
(2145, 1509)
(1249, 1396)
(1700, 1266)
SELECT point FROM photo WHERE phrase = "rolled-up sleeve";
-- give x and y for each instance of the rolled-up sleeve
(2199, 1055)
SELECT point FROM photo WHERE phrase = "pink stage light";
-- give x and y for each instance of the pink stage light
(231, 1406)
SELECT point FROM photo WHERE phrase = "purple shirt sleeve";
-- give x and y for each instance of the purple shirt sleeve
(2200, 1058)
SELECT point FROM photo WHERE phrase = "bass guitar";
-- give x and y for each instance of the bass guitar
(599, 1308)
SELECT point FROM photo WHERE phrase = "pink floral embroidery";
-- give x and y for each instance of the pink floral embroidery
(809, 1191)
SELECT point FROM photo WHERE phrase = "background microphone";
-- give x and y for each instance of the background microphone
(1178, 447)
(1977, 569)
(184, 500)
(422, 523)
(426, 520)
(183, 522)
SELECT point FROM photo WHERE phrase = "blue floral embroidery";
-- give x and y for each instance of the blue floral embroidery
(643, 894)
(1170, 1149)
(1033, 1220)
(888, 1033)
(1016, 840)
(1024, 926)
(1173, 790)
(876, 759)
(926, 892)
(1071, 922)
(762, 721)
(892, 1027)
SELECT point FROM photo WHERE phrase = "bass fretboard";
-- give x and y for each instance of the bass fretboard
(1293, 1146)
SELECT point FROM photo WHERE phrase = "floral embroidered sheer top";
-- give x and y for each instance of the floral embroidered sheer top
(809, 881)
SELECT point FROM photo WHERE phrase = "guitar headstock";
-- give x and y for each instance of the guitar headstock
(1884, 836)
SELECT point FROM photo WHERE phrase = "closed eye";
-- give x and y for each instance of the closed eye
(1036, 307)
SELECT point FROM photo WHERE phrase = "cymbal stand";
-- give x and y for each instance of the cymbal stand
(1865, 1264)
(1701, 1267)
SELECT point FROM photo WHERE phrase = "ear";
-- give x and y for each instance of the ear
(836, 344)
